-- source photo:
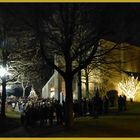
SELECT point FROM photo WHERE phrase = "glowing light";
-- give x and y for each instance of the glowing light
(52, 89)
(52, 93)
(4, 71)
(130, 87)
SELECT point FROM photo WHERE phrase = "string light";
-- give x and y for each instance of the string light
(130, 87)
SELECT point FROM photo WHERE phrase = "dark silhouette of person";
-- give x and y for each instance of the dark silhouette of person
(50, 113)
(90, 107)
(84, 106)
(124, 102)
(75, 108)
(59, 110)
(97, 105)
(120, 103)
(105, 104)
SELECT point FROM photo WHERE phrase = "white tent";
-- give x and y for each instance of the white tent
(32, 94)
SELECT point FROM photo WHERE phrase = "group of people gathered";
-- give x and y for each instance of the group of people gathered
(93, 107)
(44, 111)
(49, 111)
(97, 106)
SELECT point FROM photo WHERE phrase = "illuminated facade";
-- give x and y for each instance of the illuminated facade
(129, 63)
(129, 57)
(55, 88)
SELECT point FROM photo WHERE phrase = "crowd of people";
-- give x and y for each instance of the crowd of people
(93, 107)
(49, 111)
(44, 111)
(97, 106)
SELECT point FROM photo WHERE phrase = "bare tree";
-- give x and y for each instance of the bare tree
(72, 32)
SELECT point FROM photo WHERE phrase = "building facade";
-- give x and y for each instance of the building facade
(128, 59)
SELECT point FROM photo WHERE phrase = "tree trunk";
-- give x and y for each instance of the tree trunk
(87, 83)
(23, 93)
(5, 55)
(79, 87)
(3, 97)
(69, 102)
(79, 93)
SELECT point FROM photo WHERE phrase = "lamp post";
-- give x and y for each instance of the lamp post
(3, 79)
(4, 47)
(3, 75)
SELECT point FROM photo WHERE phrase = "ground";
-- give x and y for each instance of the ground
(125, 124)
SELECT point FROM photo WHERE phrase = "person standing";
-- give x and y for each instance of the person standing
(97, 105)
(105, 104)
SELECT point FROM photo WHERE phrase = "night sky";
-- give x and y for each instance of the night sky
(122, 18)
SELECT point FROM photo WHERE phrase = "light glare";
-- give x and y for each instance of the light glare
(130, 87)
(3, 71)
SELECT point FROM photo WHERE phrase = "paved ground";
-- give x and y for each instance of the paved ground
(17, 132)
(104, 126)
(34, 131)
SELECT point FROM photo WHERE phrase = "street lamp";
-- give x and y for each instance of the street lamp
(3, 72)
(3, 75)
(4, 54)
